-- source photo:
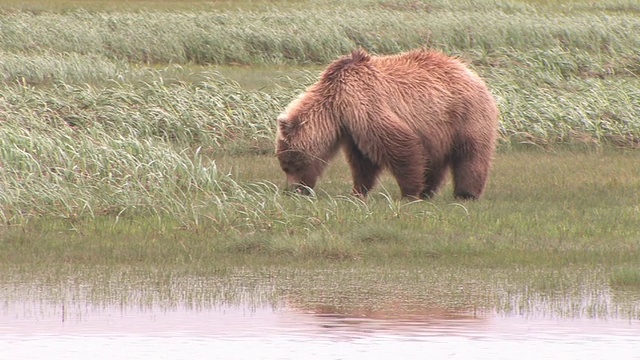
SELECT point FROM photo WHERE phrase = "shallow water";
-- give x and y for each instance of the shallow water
(340, 314)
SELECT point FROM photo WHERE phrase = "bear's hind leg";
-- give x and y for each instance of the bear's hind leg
(363, 170)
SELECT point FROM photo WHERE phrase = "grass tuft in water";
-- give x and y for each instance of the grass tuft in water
(627, 277)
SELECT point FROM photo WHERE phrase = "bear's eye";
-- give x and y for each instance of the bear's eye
(289, 168)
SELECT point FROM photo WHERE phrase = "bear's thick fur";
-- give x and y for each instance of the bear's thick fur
(417, 114)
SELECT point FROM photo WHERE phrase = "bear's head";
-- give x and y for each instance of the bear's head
(301, 166)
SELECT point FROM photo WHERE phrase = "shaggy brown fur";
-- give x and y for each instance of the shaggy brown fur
(417, 114)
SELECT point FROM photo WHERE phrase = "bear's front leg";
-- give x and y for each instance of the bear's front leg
(389, 142)
(363, 170)
(470, 171)
(408, 167)
(409, 180)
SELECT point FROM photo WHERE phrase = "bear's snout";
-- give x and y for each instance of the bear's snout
(302, 190)
(298, 189)
(296, 186)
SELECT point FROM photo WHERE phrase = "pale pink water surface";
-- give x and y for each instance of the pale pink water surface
(38, 330)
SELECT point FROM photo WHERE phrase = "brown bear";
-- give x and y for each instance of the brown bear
(416, 114)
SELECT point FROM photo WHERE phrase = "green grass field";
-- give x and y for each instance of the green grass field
(142, 132)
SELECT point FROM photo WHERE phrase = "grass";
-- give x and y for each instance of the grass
(540, 210)
(38, 6)
(143, 134)
(625, 278)
(319, 34)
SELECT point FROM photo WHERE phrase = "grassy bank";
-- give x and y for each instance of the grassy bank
(155, 146)
(140, 136)
(547, 209)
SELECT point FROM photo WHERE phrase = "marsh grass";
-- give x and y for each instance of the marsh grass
(153, 144)
(122, 144)
(47, 68)
(550, 210)
(317, 33)
(401, 291)
(39, 6)
(625, 278)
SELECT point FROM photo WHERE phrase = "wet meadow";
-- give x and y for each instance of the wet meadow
(137, 165)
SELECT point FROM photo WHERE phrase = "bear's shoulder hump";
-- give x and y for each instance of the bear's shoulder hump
(357, 58)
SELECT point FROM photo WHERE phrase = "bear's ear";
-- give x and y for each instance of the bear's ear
(288, 126)
(282, 118)
(284, 125)
(283, 122)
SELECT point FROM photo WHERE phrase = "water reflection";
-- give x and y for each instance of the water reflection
(37, 318)
(36, 330)
(283, 315)
(399, 318)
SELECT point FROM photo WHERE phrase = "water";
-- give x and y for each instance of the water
(280, 315)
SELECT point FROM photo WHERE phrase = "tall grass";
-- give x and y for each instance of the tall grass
(212, 111)
(106, 112)
(314, 35)
(555, 111)
(151, 146)
(78, 149)
(47, 67)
